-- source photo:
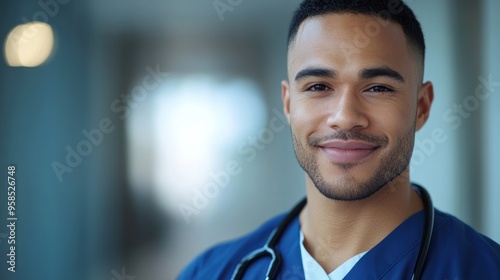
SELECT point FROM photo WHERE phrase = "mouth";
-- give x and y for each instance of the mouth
(347, 151)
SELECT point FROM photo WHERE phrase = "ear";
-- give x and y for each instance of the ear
(424, 102)
(285, 97)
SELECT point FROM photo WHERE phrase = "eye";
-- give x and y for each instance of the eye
(380, 89)
(318, 87)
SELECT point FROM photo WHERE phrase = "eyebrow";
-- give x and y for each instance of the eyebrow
(364, 74)
(381, 71)
(315, 72)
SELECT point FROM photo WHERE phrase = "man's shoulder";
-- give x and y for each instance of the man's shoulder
(456, 230)
(222, 258)
(463, 248)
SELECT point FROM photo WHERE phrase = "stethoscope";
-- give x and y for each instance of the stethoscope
(270, 250)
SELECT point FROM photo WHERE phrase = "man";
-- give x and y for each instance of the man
(354, 104)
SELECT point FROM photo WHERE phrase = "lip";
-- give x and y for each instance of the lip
(347, 151)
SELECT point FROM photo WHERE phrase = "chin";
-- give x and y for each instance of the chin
(344, 185)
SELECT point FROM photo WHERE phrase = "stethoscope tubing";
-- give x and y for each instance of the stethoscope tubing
(269, 247)
(428, 229)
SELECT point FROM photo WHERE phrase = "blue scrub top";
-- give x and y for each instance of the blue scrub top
(457, 252)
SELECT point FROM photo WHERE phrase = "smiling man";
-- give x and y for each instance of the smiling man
(354, 99)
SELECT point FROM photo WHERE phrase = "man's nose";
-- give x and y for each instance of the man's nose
(348, 112)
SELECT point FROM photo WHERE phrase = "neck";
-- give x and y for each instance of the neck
(335, 231)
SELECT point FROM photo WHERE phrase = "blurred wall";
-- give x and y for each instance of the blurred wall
(490, 148)
(459, 171)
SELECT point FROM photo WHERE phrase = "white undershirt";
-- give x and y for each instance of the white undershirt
(312, 269)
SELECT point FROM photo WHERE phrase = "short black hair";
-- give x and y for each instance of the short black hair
(393, 10)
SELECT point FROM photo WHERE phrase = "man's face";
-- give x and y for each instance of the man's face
(353, 105)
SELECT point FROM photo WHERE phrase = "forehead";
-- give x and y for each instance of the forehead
(348, 42)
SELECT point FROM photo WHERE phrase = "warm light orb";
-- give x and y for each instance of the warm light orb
(29, 45)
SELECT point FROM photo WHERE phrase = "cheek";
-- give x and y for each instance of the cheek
(394, 121)
(306, 117)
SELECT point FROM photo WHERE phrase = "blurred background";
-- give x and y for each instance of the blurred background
(143, 132)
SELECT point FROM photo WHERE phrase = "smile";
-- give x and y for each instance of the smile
(347, 151)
